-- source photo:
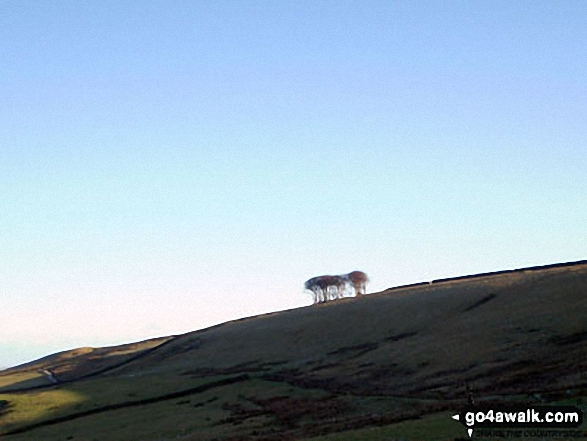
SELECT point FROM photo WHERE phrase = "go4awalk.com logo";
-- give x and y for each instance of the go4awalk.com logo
(535, 417)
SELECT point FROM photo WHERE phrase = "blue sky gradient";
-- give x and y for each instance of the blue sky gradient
(165, 166)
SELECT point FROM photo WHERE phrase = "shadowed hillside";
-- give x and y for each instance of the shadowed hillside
(343, 367)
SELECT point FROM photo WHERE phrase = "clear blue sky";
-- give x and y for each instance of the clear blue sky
(165, 166)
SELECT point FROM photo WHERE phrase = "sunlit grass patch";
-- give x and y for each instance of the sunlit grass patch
(19, 380)
(25, 408)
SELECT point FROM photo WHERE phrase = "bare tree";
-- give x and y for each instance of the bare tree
(332, 287)
(313, 285)
(326, 288)
(358, 280)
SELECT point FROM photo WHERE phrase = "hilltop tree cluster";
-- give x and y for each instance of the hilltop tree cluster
(326, 288)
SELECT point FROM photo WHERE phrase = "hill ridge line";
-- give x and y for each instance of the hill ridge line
(140, 355)
(489, 274)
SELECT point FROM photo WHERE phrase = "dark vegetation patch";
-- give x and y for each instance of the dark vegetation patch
(401, 336)
(526, 330)
(324, 366)
(520, 377)
(378, 381)
(456, 371)
(4, 407)
(287, 412)
(564, 340)
(189, 345)
(289, 418)
(363, 365)
(248, 367)
(295, 377)
(390, 371)
(480, 302)
(203, 403)
(524, 376)
(431, 389)
(356, 350)
(506, 370)
(239, 413)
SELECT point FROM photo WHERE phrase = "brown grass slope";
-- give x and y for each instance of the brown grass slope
(374, 360)
(506, 333)
(399, 341)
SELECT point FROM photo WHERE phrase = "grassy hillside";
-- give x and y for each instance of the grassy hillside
(75, 364)
(390, 365)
